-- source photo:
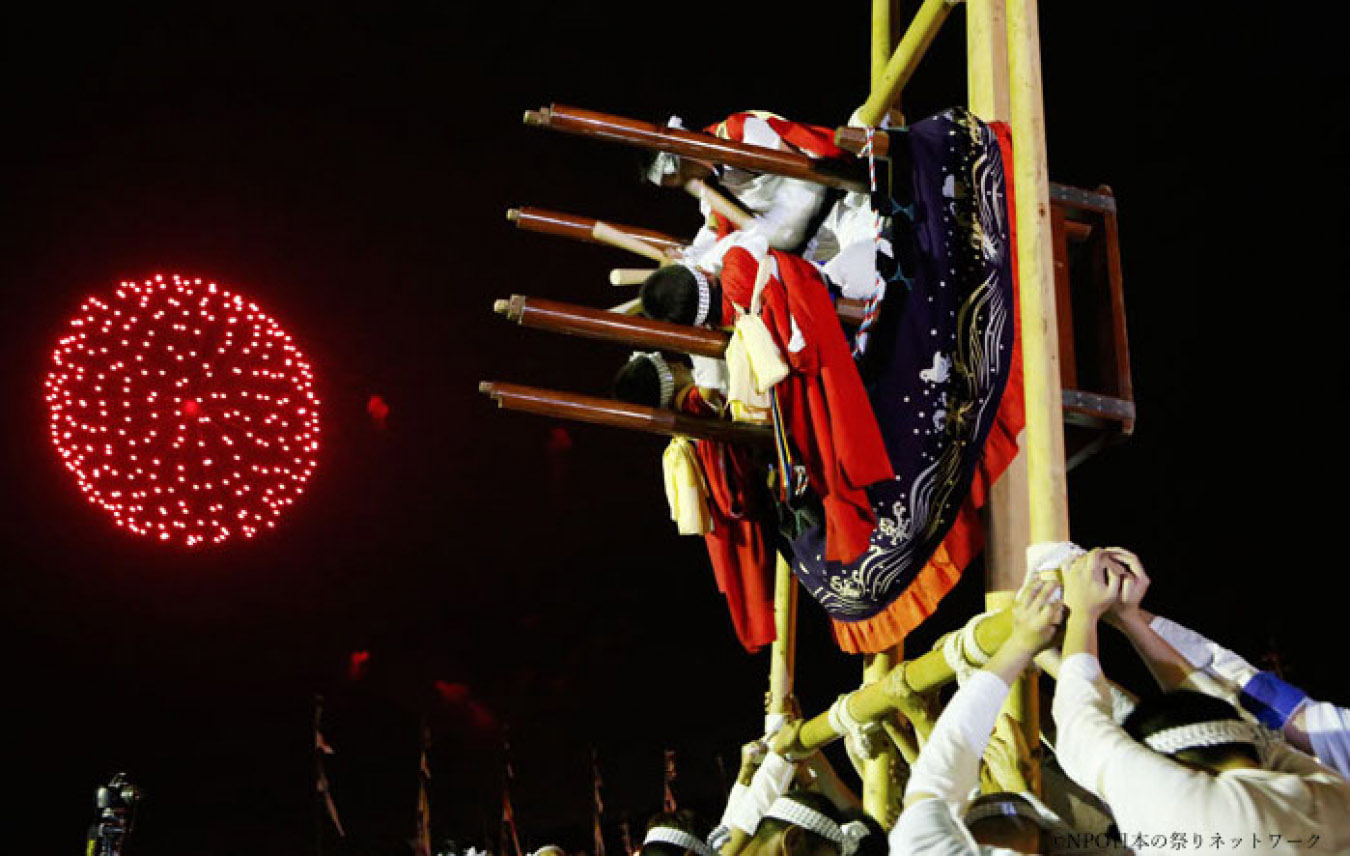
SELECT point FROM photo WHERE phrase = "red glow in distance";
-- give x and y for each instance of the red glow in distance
(183, 410)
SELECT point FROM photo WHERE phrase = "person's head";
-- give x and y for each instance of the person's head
(652, 380)
(1009, 820)
(806, 823)
(1200, 731)
(676, 833)
(681, 294)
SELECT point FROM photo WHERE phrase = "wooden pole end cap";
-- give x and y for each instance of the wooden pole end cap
(513, 214)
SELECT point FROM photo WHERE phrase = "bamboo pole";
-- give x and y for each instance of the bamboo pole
(608, 326)
(783, 652)
(697, 146)
(579, 228)
(891, 693)
(630, 276)
(904, 61)
(882, 39)
(879, 797)
(1006, 518)
(987, 59)
(606, 234)
(1044, 444)
(621, 414)
(719, 203)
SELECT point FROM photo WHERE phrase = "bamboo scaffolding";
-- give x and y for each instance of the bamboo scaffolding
(580, 228)
(879, 797)
(607, 326)
(918, 36)
(620, 414)
(696, 145)
(889, 694)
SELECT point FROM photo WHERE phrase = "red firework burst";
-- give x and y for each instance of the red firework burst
(183, 410)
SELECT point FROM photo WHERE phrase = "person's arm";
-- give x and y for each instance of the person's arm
(1007, 759)
(1091, 747)
(1167, 665)
(948, 768)
(1324, 729)
(1198, 663)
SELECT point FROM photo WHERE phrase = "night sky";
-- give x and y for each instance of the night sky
(349, 169)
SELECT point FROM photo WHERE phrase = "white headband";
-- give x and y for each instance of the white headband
(847, 836)
(679, 838)
(1197, 735)
(704, 294)
(1023, 805)
(665, 377)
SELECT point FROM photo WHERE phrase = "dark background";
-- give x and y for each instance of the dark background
(349, 169)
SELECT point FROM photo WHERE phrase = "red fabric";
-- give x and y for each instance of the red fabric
(823, 400)
(813, 140)
(743, 563)
(966, 537)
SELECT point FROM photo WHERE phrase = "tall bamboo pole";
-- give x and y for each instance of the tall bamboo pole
(1031, 502)
(900, 67)
(1048, 509)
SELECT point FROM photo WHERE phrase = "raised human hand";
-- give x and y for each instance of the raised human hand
(1090, 585)
(1007, 760)
(1037, 613)
(1134, 584)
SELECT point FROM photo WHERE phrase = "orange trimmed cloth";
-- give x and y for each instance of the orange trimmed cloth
(944, 378)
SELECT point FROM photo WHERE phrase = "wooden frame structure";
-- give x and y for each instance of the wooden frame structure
(1076, 377)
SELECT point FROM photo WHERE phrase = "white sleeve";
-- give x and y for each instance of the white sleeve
(783, 220)
(1328, 728)
(1204, 653)
(932, 829)
(1098, 755)
(949, 765)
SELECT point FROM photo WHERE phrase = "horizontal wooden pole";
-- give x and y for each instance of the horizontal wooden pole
(697, 146)
(573, 320)
(621, 414)
(854, 140)
(580, 228)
